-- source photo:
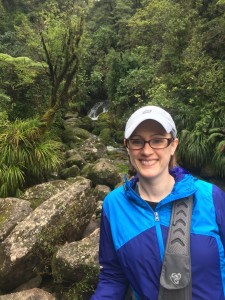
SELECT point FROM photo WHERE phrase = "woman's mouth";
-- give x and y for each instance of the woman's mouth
(148, 163)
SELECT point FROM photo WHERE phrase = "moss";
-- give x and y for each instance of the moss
(106, 136)
(87, 285)
(36, 202)
(5, 212)
(122, 167)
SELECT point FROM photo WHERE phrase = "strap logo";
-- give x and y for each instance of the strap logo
(175, 278)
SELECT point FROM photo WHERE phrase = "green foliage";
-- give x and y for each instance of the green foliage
(205, 143)
(193, 149)
(132, 53)
(217, 136)
(26, 155)
(23, 86)
(5, 102)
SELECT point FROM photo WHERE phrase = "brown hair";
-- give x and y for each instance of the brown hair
(172, 162)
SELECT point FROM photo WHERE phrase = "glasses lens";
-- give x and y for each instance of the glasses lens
(135, 144)
(159, 143)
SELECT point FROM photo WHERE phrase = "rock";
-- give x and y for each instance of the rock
(61, 233)
(75, 159)
(72, 171)
(103, 172)
(70, 115)
(41, 192)
(92, 226)
(32, 283)
(92, 149)
(102, 191)
(98, 210)
(74, 136)
(77, 260)
(33, 294)
(32, 242)
(72, 121)
(12, 211)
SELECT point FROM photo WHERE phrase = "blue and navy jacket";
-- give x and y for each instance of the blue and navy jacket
(133, 239)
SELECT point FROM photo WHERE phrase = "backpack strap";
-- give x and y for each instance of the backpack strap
(175, 279)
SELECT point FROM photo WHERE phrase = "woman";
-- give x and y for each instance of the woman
(136, 217)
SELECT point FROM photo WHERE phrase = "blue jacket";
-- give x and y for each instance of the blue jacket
(133, 239)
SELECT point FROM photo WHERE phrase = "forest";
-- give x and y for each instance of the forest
(60, 56)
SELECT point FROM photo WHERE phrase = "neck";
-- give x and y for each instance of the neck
(157, 189)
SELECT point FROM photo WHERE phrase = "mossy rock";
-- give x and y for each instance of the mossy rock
(75, 135)
(87, 124)
(103, 172)
(75, 159)
(72, 171)
(106, 135)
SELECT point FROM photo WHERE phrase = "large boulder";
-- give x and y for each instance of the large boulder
(41, 192)
(103, 172)
(102, 191)
(71, 121)
(74, 158)
(28, 249)
(74, 136)
(32, 294)
(78, 260)
(72, 171)
(92, 149)
(13, 211)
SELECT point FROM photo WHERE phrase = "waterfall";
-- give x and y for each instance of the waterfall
(97, 109)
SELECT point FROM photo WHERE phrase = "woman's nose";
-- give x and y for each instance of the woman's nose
(147, 148)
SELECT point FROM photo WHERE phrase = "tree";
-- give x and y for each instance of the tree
(53, 36)
(23, 82)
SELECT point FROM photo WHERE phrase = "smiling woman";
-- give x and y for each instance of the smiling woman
(150, 149)
(136, 220)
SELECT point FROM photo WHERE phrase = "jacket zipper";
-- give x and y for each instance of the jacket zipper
(156, 216)
(159, 235)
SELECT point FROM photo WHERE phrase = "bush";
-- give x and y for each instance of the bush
(27, 156)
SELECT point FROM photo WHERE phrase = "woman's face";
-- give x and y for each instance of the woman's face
(151, 163)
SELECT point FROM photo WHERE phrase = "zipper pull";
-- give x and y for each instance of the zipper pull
(156, 216)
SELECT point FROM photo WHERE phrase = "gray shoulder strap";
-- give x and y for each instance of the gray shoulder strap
(175, 279)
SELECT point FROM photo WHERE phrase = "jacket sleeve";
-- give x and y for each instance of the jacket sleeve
(112, 280)
(219, 203)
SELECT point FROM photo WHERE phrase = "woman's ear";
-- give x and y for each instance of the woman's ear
(174, 145)
(124, 142)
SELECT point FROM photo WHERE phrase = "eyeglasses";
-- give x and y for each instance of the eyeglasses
(157, 143)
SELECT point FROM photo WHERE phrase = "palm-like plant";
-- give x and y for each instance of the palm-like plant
(193, 150)
(204, 145)
(217, 141)
(26, 155)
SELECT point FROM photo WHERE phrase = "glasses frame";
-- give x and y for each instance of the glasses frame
(169, 141)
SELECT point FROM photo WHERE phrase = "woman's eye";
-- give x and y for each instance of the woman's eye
(157, 141)
(137, 142)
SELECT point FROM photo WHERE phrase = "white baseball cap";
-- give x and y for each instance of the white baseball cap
(150, 113)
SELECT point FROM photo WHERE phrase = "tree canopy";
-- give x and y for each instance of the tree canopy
(63, 55)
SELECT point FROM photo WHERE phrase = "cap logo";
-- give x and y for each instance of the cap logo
(147, 111)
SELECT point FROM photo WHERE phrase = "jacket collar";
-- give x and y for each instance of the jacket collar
(184, 186)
